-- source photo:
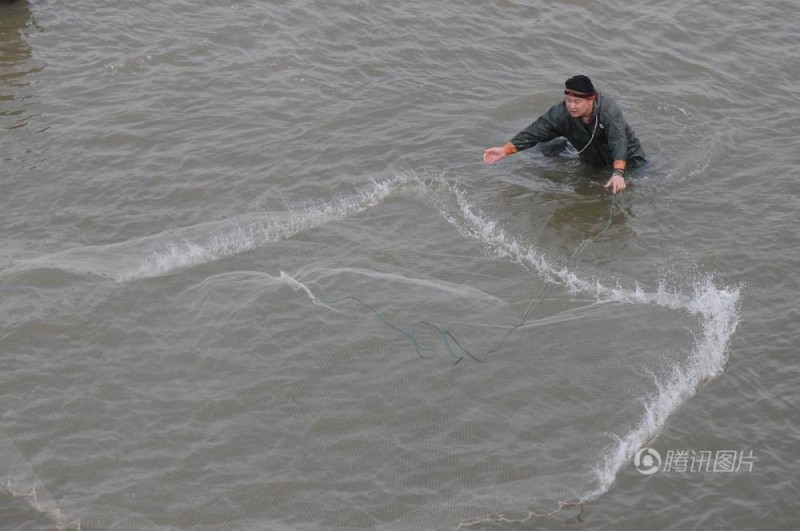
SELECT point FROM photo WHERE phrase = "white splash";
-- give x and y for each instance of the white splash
(716, 309)
(248, 232)
(173, 250)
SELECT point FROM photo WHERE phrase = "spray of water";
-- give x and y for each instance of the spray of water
(715, 307)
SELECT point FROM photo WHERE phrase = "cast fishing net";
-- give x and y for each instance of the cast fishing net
(394, 359)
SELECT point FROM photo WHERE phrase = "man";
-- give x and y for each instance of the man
(589, 121)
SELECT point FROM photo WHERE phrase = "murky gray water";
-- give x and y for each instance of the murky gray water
(256, 276)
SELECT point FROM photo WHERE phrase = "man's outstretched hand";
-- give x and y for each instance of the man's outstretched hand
(494, 154)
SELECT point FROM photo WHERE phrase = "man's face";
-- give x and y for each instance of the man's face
(578, 106)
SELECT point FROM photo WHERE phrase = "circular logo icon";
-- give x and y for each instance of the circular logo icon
(647, 461)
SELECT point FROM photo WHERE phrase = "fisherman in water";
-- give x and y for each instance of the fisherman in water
(588, 124)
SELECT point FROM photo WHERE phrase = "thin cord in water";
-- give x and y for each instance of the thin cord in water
(426, 353)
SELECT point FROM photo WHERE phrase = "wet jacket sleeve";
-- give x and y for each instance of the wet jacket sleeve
(547, 127)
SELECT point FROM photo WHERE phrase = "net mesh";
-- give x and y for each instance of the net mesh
(391, 361)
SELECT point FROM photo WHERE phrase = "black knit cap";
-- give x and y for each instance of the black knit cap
(580, 84)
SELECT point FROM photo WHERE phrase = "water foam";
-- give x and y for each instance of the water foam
(716, 309)
(177, 249)
(243, 234)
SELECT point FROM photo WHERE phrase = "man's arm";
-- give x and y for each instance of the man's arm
(616, 130)
(543, 129)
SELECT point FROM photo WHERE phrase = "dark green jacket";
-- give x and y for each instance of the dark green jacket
(613, 137)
